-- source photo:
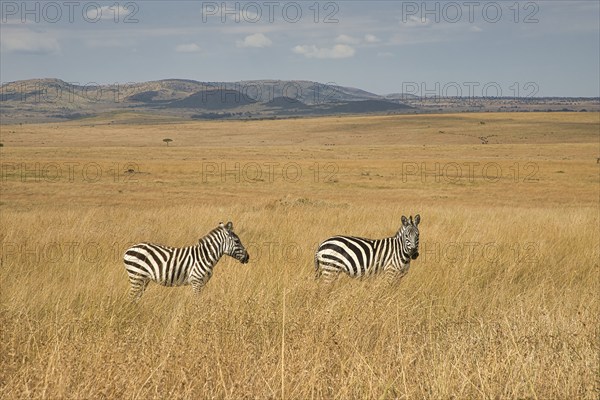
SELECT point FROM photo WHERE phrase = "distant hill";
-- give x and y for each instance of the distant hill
(212, 99)
(285, 103)
(43, 100)
(39, 100)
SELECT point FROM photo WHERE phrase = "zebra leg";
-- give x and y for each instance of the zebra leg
(199, 278)
(329, 272)
(138, 285)
(198, 285)
(325, 269)
(317, 267)
(331, 276)
(394, 275)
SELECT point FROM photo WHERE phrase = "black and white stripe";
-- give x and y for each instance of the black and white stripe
(359, 257)
(172, 266)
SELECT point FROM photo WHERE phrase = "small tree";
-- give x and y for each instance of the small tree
(167, 141)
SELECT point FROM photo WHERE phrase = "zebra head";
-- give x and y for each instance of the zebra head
(233, 245)
(409, 236)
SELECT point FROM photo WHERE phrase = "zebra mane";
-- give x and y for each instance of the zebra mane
(211, 234)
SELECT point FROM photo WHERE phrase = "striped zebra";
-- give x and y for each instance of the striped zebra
(359, 257)
(172, 266)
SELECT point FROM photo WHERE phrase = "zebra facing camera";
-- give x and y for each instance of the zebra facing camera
(358, 256)
(409, 221)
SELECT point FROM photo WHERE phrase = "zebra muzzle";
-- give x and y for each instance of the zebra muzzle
(414, 256)
(245, 258)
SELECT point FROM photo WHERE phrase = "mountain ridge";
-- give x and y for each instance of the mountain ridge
(53, 99)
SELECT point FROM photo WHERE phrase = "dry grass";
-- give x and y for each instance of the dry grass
(502, 303)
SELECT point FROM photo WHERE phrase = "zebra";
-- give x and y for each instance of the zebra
(172, 266)
(360, 257)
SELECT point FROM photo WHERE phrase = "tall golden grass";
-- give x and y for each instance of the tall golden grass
(502, 303)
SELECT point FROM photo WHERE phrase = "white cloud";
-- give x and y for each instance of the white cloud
(187, 48)
(371, 38)
(337, 51)
(255, 40)
(475, 28)
(27, 41)
(345, 39)
(413, 21)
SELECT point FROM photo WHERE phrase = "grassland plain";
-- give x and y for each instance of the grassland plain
(502, 303)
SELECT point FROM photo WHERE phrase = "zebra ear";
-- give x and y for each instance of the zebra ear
(221, 225)
(417, 219)
(404, 221)
(229, 226)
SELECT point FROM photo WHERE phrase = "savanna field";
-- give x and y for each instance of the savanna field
(503, 302)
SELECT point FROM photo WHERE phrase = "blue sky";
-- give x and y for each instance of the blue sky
(542, 48)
